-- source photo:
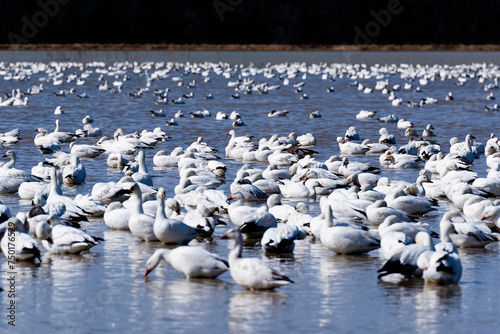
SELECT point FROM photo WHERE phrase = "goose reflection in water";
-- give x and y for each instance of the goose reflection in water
(249, 310)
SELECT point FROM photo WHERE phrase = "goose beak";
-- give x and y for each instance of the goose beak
(224, 236)
(147, 272)
(229, 198)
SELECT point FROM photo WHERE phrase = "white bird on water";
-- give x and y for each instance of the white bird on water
(252, 273)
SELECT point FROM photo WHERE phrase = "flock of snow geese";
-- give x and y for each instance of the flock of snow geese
(360, 210)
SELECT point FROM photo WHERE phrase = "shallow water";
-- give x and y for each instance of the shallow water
(104, 290)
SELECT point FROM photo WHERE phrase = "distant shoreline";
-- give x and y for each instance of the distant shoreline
(244, 47)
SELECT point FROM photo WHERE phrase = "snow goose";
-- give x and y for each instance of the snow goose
(25, 246)
(250, 192)
(327, 185)
(74, 173)
(277, 209)
(394, 224)
(280, 239)
(392, 241)
(465, 234)
(56, 198)
(201, 219)
(251, 273)
(385, 137)
(428, 131)
(403, 161)
(85, 151)
(351, 134)
(403, 260)
(291, 189)
(162, 159)
(279, 158)
(345, 239)
(349, 148)
(272, 172)
(8, 169)
(251, 220)
(61, 239)
(379, 211)
(117, 216)
(440, 267)
(306, 140)
(140, 224)
(94, 208)
(348, 168)
(142, 174)
(412, 205)
(62, 137)
(365, 114)
(192, 262)
(45, 143)
(403, 124)
(171, 231)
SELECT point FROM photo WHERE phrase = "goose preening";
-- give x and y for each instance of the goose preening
(251, 273)
(403, 260)
(192, 262)
(280, 239)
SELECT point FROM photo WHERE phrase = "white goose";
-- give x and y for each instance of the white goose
(56, 198)
(394, 224)
(280, 239)
(349, 148)
(403, 260)
(379, 211)
(412, 205)
(74, 173)
(140, 224)
(249, 219)
(25, 246)
(162, 159)
(192, 262)
(62, 239)
(142, 174)
(117, 216)
(85, 151)
(442, 266)
(277, 209)
(345, 239)
(465, 234)
(291, 189)
(171, 231)
(251, 273)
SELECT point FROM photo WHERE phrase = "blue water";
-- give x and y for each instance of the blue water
(104, 290)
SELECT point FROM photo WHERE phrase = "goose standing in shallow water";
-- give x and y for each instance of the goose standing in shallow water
(140, 224)
(251, 273)
(192, 262)
(171, 231)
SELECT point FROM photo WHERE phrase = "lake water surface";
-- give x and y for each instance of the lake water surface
(104, 290)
